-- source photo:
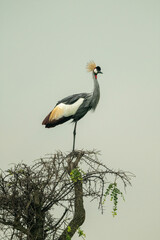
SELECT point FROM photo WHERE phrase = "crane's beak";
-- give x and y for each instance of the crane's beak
(100, 72)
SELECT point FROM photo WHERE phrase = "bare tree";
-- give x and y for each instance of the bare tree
(45, 201)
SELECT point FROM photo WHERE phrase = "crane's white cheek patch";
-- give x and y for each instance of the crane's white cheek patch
(95, 71)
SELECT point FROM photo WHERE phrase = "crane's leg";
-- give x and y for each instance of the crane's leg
(74, 136)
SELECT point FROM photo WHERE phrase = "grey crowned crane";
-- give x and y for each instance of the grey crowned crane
(75, 106)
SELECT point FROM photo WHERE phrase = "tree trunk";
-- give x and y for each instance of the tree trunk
(36, 219)
(79, 213)
(37, 230)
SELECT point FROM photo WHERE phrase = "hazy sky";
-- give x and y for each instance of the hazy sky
(44, 48)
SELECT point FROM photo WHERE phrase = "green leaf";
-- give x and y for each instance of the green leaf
(68, 229)
(114, 193)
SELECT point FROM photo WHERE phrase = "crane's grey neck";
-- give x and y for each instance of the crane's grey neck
(96, 93)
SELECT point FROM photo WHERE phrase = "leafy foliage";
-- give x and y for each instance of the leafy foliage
(113, 192)
(68, 231)
(81, 233)
(76, 174)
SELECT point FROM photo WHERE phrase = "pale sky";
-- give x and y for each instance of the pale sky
(44, 48)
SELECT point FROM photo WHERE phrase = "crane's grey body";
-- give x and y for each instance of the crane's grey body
(75, 106)
(90, 101)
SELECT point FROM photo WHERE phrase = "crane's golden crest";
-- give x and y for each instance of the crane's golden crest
(91, 66)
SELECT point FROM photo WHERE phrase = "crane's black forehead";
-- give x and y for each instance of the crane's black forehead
(98, 68)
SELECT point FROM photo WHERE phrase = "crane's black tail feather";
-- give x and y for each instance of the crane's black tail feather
(56, 122)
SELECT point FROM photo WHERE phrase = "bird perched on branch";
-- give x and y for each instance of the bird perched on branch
(75, 106)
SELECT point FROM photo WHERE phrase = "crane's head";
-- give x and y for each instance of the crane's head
(91, 67)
